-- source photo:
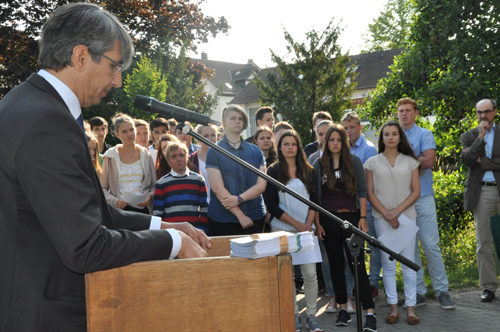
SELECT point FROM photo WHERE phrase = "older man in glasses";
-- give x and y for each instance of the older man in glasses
(55, 225)
(481, 153)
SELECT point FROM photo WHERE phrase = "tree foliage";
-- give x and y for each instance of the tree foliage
(148, 21)
(391, 29)
(452, 63)
(319, 78)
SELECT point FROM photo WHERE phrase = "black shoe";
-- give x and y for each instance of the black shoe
(343, 318)
(487, 296)
(371, 323)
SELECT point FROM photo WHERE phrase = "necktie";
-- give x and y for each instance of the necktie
(80, 122)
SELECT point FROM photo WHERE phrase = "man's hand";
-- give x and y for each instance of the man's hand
(194, 233)
(483, 127)
(189, 248)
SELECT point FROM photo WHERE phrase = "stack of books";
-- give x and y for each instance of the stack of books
(270, 244)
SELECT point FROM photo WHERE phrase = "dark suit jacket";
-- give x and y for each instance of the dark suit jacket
(470, 139)
(55, 224)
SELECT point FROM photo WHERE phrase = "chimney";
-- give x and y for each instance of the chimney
(204, 56)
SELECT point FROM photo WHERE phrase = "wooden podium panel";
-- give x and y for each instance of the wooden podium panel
(208, 294)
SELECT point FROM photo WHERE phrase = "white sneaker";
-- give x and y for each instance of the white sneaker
(350, 306)
(332, 305)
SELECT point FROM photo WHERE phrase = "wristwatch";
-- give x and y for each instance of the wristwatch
(240, 200)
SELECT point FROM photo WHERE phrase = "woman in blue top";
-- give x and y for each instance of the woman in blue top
(236, 204)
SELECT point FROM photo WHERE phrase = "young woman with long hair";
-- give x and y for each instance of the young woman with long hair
(342, 191)
(162, 167)
(393, 183)
(128, 167)
(263, 138)
(293, 170)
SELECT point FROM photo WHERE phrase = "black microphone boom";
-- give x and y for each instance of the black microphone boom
(151, 105)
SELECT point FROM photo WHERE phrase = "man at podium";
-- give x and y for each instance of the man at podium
(55, 224)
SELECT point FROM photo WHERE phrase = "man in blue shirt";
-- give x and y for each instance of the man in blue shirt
(482, 195)
(364, 150)
(423, 144)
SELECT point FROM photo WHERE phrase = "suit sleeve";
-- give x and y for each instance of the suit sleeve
(475, 146)
(59, 186)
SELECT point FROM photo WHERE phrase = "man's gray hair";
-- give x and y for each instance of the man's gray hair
(492, 101)
(81, 24)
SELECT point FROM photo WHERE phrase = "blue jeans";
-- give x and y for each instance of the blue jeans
(428, 234)
(375, 257)
(325, 267)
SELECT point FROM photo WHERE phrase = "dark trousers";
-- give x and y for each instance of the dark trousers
(229, 228)
(335, 244)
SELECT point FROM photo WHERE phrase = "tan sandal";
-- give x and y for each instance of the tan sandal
(413, 320)
(391, 319)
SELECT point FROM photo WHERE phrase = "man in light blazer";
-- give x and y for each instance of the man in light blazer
(481, 153)
(55, 225)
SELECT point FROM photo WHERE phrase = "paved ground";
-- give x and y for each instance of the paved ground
(470, 315)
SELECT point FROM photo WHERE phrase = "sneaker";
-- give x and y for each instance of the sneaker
(312, 324)
(374, 292)
(421, 301)
(343, 318)
(446, 302)
(298, 323)
(332, 305)
(350, 307)
(371, 323)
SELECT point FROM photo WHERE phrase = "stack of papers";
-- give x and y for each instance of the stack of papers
(270, 244)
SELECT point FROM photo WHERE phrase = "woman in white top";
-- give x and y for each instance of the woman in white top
(199, 158)
(293, 170)
(393, 184)
(128, 168)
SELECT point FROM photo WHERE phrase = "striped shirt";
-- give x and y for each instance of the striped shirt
(182, 198)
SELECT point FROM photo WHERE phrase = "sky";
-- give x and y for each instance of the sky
(257, 26)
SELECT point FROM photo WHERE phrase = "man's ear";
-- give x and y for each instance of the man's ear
(360, 126)
(80, 57)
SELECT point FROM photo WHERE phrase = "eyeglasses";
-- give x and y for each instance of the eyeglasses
(485, 112)
(113, 61)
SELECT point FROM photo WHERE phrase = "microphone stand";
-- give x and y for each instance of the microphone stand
(356, 241)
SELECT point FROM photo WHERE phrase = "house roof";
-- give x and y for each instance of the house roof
(371, 68)
(227, 73)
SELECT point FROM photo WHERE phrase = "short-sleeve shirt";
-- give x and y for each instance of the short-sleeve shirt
(420, 140)
(237, 179)
(392, 185)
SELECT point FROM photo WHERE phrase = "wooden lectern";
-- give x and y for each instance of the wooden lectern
(219, 293)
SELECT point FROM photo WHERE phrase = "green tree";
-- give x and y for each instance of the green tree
(319, 78)
(451, 63)
(149, 22)
(391, 29)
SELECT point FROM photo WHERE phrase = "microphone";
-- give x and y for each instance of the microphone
(151, 105)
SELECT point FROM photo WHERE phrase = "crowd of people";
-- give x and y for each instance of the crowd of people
(158, 182)
(385, 192)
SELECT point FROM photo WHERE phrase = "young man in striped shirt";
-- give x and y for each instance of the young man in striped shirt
(181, 195)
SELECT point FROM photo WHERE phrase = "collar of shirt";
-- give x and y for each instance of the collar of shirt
(66, 94)
(359, 141)
(411, 129)
(176, 175)
(492, 130)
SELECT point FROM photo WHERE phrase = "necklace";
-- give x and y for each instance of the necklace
(234, 142)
